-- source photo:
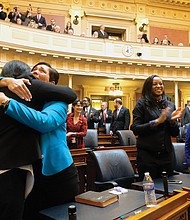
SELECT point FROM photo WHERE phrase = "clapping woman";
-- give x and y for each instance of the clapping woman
(76, 126)
(154, 122)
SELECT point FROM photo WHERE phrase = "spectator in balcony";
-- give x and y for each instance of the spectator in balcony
(102, 33)
(76, 126)
(15, 14)
(144, 39)
(57, 29)
(68, 27)
(165, 41)
(51, 26)
(39, 19)
(70, 32)
(32, 24)
(3, 14)
(180, 44)
(28, 16)
(19, 21)
(95, 34)
(155, 40)
(83, 34)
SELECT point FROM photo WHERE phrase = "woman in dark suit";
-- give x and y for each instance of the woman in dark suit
(154, 122)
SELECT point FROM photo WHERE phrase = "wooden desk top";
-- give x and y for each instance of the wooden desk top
(158, 183)
(79, 156)
(127, 203)
(131, 205)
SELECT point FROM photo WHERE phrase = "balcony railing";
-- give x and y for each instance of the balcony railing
(45, 42)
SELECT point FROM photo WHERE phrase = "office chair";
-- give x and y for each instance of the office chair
(91, 139)
(113, 168)
(126, 137)
(179, 157)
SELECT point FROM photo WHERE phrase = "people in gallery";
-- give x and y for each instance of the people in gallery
(165, 41)
(39, 19)
(95, 34)
(3, 14)
(15, 14)
(52, 25)
(68, 27)
(102, 33)
(155, 41)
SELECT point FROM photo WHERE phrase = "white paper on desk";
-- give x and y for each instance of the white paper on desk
(118, 190)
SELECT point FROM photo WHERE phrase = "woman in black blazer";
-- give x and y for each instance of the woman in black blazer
(154, 122)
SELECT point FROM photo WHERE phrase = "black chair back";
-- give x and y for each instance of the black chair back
(91, 139)
(115, 166)
(126, 137)
(179, 157)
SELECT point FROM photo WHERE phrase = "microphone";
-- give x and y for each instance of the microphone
(165, 183)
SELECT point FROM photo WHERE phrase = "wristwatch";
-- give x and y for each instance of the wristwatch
(5, 104)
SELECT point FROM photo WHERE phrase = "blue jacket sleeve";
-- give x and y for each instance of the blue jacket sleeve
(52, 116)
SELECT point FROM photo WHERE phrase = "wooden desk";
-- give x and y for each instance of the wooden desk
(107, 140)
(174, 208)
(129, 204)
(91, 168)
(158, 183)
(80, 160)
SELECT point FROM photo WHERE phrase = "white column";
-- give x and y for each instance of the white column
(76, 11)
(70, 85)
(70, 81)
(176, 94)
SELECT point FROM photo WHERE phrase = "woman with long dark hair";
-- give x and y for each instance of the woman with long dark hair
(68, 27)
(76, 126)
(154, 122)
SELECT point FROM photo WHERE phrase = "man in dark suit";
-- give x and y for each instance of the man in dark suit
(19, 143)
(16, 14)
(39, 19)
(102, 33)
(120, 118)
(88, 112)
(51, 26)
(3, 14)
(104, 117)
(185, 119)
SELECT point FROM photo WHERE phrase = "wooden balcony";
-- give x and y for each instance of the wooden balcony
(25, 42)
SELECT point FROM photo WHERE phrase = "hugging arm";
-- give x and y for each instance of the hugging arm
(26, 87)
(47, 120)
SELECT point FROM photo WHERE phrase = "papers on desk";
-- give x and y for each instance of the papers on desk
(118, 190)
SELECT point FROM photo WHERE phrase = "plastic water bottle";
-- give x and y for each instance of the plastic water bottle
(148, 187)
